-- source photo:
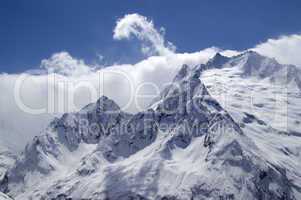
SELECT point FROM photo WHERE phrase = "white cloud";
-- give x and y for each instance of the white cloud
(63, 63)
(142, 28)
(230, 53)
(16, 126)
(285, 49)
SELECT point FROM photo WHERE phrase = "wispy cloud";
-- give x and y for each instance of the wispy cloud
(153, 41)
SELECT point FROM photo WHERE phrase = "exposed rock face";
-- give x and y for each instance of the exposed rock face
(185, 146)
(217, 61)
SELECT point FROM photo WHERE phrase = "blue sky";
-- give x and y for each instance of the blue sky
(33, 30)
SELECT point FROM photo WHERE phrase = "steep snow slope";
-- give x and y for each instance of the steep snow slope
(186, 146)
(277, 103)
(268, 112)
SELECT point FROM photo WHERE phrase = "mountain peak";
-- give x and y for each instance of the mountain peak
(217, 61)
(106, 104)
(251, 52)
(103, 98)
(255, 64)
(103, 104)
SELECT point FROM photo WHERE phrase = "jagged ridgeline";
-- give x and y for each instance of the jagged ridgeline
(184, 146)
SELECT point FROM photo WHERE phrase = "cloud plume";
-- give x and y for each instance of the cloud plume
(153, 42)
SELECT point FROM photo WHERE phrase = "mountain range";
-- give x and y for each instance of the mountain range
(217, 131)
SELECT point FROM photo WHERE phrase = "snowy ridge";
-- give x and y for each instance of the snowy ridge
(252, 64)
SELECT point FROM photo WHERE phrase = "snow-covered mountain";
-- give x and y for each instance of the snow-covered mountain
(252, 64)
(192, 143)
(254, 83)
